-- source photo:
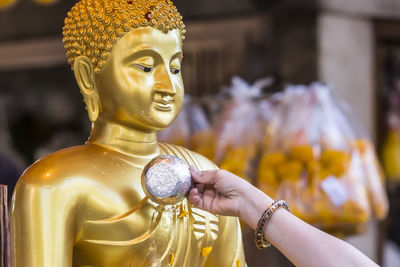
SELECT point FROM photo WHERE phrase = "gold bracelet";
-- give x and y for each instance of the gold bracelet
(261, 242)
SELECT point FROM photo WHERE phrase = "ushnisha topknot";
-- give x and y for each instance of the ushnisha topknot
(92, 27)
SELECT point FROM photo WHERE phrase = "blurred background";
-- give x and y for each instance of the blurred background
(330, 138)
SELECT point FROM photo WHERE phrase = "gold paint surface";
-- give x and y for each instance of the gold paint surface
(84, 205)
(70, 209)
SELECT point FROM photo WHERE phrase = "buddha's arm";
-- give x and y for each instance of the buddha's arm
(42, 228)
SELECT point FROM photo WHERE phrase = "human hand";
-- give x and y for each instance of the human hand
(224, 193)
(221, 192)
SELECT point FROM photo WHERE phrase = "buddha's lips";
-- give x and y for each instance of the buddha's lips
(163, 105)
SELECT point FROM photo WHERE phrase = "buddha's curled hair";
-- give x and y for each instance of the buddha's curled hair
(92, 27)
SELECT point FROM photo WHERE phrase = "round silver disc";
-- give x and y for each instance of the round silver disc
(166, 179)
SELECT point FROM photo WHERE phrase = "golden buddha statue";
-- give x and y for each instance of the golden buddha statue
(84, 205)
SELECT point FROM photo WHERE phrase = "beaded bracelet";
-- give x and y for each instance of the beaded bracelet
(261, 242)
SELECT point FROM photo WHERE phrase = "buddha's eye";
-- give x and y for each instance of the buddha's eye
(175, 70)
(143, 68)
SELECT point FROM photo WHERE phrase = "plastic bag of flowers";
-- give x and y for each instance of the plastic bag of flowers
(314, 160)
(373, 171)
(240, 127)
(202, 138)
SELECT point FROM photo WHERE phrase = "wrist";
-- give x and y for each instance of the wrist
(254, 203)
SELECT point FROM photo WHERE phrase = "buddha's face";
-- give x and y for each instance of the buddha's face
(141, 85)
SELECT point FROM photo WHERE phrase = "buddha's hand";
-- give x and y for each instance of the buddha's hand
(221, 192)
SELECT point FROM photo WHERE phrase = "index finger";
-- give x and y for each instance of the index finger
(204, 177)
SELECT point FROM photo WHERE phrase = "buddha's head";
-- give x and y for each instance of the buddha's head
(126, 56)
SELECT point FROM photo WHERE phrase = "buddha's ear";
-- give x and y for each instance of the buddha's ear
(84, 75)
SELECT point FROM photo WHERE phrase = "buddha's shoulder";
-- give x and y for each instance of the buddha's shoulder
(191, 157)
(64, 164)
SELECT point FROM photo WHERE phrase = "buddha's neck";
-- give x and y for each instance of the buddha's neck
(123, 139)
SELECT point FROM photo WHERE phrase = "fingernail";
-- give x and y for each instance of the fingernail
(193, 169)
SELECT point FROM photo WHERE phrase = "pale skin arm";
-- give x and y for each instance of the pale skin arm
(224, 193)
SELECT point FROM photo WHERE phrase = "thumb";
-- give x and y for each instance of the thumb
(204, 177)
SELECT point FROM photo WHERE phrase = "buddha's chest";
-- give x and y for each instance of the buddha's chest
(124, 228)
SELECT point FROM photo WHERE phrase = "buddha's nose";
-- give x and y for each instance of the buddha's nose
(163, 83)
